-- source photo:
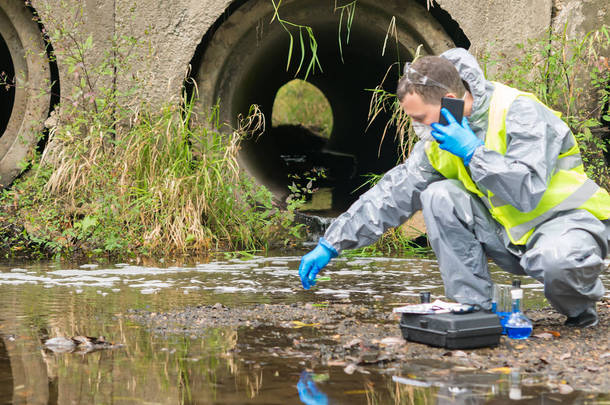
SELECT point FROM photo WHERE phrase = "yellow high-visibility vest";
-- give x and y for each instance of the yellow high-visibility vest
(569, 187)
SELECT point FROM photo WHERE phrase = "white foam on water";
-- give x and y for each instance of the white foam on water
(364, 275)
(347, 272)
(331, 291)
(359, 263)
(250, 282)
(152, 283)
(282, 290)
(279, 273)
(227, 289)
(274, 268)
(23, 277)
(406, 294)
(123, 271)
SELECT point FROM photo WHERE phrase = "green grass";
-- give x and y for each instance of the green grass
(301, 103)
(159, 185)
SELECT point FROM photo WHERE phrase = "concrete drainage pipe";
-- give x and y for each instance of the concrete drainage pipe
(243, 62)
(22, 108)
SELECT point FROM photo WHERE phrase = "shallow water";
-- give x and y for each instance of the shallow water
(227, 365)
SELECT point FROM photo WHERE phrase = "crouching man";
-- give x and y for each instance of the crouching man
(506, 183)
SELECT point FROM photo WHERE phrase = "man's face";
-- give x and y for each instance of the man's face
(421, 112)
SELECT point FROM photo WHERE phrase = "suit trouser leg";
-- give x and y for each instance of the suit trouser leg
(566, 254)
(463, 235)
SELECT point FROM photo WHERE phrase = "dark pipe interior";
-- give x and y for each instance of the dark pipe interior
(7, 93)
(351, 151)
(254, 72)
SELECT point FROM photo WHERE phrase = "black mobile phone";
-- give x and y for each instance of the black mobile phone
(455, 107)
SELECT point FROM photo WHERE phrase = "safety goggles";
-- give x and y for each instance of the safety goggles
(414, 77)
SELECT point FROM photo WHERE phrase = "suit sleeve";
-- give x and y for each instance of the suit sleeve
(393, 200)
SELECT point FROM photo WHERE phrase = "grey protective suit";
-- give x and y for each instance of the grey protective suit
(565, 253)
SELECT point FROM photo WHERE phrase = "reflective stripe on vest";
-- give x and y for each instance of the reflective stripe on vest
(569, 188)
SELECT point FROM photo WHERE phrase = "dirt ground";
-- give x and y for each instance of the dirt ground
(357, 336)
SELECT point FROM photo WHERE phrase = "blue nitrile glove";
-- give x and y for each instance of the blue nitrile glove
(308, 392)
(455, 138)
(314, 261)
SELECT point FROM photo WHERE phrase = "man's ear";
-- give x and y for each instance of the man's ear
(450, 95)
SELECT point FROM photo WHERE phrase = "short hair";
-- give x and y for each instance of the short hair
(439, 70)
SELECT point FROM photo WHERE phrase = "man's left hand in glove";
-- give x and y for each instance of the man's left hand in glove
(455, 138)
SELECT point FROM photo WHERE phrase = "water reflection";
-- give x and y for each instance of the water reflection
(309, 392)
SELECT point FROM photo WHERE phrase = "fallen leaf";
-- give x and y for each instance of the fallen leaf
(519, 347)
(502, 370)
(565, 356)
(554, 333)
(458, 353)
(299, 324)
(544, 335)
(565, 389)
(603, 356)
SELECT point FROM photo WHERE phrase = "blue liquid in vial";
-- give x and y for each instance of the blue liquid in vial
(518, 333)
(503, 318)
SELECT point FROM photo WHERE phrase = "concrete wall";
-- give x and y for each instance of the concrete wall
(169, 34)
(580, 16)
(497, 24)
(171, 30)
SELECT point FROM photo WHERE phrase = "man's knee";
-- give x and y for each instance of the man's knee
(442, 194)
(575, 254)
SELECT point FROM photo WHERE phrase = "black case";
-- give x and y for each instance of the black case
(453, 330)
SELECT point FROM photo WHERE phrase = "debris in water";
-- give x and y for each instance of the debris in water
(84, 344)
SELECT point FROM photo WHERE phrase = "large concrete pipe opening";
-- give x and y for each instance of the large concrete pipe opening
(7, 93)
(25, 105)
(243, 62)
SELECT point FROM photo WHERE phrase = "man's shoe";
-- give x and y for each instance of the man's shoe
(586, 319)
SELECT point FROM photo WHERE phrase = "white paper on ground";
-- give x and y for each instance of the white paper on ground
(436, 307)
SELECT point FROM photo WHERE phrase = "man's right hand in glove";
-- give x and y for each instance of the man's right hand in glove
(314, 261)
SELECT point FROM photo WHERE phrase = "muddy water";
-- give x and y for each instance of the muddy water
(224, 365)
